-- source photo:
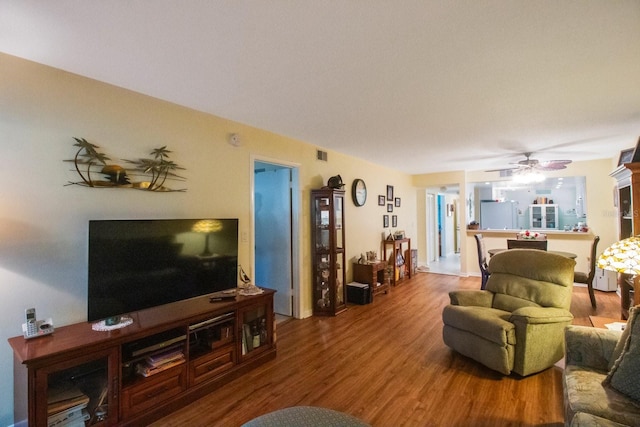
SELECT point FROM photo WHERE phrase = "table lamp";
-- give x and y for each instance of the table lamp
(624, 258)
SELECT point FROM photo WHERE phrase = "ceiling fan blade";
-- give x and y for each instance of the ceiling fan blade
(552, 165)
(551, 168)
(559, 162)
(503, 169)
(528, 163)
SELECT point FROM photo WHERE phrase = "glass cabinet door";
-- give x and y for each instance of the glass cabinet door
(329, 292)
(536, 217)
(550, 217)
(256, 329)
(543, 216)
(83, 389)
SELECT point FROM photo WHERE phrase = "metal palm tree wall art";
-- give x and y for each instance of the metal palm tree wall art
(96, 170)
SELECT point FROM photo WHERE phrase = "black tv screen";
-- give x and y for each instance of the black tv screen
(138, 264)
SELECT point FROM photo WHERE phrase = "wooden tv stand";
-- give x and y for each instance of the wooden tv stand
(170, 356)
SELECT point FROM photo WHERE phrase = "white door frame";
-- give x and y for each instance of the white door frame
(295, 225)
(431, 228)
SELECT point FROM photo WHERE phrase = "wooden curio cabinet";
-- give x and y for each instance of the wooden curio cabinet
(328, 251)
(628, 201)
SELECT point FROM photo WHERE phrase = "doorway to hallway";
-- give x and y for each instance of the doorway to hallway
(443, 229)
(275, 219)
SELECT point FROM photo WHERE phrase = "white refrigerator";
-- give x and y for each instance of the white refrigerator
(499, 215)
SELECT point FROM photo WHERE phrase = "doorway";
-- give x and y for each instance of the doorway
(275, 219)
(443, 231)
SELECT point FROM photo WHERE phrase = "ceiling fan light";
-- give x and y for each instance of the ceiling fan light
(528, 177)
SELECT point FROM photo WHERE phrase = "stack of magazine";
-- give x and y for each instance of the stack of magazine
(66, 406)
(159, 362)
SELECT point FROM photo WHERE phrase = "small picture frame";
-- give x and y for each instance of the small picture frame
(626, 156)
(389, 207)
(397, 202)
(450, 209)
(394, 221)
(390, 192)
(381, 200)
(385, 221)
(636, 153)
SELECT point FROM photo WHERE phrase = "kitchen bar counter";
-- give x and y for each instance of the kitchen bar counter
(575, 242)
(550, 233)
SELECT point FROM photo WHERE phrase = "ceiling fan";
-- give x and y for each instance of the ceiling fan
(529, 164)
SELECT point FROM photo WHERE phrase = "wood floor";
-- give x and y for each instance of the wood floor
(386, 364)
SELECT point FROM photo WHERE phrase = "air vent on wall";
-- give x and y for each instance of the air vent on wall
(505, 173)
(321, 155)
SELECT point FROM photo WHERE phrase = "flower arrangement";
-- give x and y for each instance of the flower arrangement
(528, 235)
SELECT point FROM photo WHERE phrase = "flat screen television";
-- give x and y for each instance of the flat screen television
(138, 264)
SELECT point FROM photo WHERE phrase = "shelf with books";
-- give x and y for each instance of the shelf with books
(151, 355)
(399, 261)
(77, 391)
(66, 404)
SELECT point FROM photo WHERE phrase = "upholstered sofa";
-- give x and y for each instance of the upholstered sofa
(601, 380)
(517, 323)
(305, 416)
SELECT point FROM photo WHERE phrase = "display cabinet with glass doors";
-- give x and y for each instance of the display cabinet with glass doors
(328, 250)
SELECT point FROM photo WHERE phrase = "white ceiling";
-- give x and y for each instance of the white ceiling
(419, 86)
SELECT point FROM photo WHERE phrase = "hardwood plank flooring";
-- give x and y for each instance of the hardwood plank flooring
(386, 364)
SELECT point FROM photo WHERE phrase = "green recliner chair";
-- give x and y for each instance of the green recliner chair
(517, 323)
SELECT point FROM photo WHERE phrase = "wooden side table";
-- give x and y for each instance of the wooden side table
(394, 250)
(600, 322)
(374, 274)
(628, 296)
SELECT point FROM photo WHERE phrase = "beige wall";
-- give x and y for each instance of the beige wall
(43, 223)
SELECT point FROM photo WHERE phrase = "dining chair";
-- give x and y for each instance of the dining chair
(527, 244)
(587, 278)
(482, 260)
(539, 236)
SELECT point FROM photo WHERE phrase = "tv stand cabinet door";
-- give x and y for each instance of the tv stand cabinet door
(256, 329)
(93, 377)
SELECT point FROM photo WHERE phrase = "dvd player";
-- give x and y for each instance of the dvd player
(212, 321)
(154, 343)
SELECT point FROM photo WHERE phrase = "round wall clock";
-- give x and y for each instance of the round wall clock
(359, 192)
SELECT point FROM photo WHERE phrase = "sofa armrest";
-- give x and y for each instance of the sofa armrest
(479, 298)
(540, 315)
(590, 347)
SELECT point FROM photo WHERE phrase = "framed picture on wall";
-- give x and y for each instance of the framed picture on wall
(381, 200)
(389, 207)
(394, 220)
(385, 221)
(390, 192)
(626, 156)
(397, 202)
(636, 153)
